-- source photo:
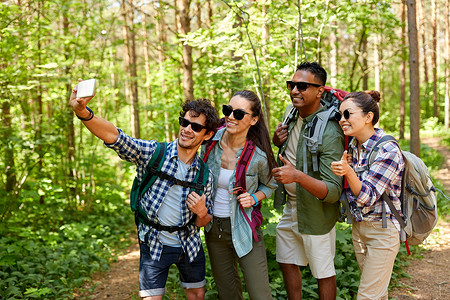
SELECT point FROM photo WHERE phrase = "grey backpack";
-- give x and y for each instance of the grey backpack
(417, 198)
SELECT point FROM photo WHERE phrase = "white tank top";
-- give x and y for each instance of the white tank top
(222, 198)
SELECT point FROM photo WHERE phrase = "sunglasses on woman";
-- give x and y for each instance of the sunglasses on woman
(346, 114)
(238, 114)
(195, 126)
(301, 85)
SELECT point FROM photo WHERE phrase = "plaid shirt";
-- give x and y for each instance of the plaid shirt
(140, 152)
(385, 173)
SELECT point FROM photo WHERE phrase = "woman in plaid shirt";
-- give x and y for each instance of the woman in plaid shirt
(375, 247)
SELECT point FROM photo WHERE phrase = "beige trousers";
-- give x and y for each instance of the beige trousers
(375, 249)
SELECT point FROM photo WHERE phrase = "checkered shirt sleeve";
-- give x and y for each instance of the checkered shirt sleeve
(385, 173)
(140, 152)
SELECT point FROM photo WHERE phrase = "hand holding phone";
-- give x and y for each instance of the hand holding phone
(86, 88)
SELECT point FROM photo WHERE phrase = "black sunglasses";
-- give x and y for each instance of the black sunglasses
(195, 126)
(301, 86)
(238, 114)
(346, 114)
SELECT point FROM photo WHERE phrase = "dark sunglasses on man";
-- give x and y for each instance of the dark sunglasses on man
(238, 114)
(195, 126)
(301, 85)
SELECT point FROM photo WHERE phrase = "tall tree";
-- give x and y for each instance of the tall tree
(422, 29)
(162, 40)
(447, 61)
(185, 24)
(414, 80)
(434, 57)
(131, 62)
(147, 62)
(403, 72)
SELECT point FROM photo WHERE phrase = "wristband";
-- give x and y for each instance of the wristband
(256, 200)
(88, 118)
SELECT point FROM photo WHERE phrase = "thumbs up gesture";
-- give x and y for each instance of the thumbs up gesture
(286, 173)
(341, 167)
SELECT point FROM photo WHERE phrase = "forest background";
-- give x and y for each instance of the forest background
(63, 207)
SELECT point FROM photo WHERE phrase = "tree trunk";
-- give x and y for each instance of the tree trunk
(185, 24)
(333, 55)
(72, 173)
(424, 49)
(365, 66)
(403, 74)
(434, 58)
(38, 101)
(147, 66)
(8, 155)
(377, 62)
(266, 87)
(198, 14)
(211, 53)
(162, 40)
(414, 83)
(447, 61)
(130, 46)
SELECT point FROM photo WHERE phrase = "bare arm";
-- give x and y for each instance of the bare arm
(197, 204)
(100, 127)
(288, 174)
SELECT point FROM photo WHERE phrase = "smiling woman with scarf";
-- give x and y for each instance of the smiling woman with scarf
(233, 235)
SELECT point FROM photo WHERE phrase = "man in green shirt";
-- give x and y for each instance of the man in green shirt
(306, 232)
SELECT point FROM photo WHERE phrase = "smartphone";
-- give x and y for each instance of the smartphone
(86, 88)
(290, 116)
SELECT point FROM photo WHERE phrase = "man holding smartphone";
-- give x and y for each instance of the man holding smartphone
(175, 212)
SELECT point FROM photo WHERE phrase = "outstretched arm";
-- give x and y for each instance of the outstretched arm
(100, 127)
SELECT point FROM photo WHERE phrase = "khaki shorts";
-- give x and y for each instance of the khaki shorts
(303, 249)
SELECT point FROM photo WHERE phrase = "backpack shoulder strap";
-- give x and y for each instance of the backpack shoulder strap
(243, 162)
(155, 164)
(209, 146)
(380, 143)
(373, 153)
(201, 178)
(314, 135)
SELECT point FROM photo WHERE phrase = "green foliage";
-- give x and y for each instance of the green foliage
(46, 251)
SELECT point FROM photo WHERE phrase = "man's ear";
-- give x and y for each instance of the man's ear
(320, 91)
(209, 135)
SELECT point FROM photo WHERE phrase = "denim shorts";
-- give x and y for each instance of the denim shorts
(153, 274)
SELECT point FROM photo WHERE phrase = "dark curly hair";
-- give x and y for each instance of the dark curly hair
(315, 69)
(202, 106)
(258, 133)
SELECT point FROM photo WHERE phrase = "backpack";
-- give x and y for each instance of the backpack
(152, 172)
(331, 98)
(241, 171)
(417, 198)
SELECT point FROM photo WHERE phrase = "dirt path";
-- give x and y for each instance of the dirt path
(430, 275)
(121, 282)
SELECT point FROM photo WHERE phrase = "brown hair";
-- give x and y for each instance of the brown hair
(367, 101)
(258, 133)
